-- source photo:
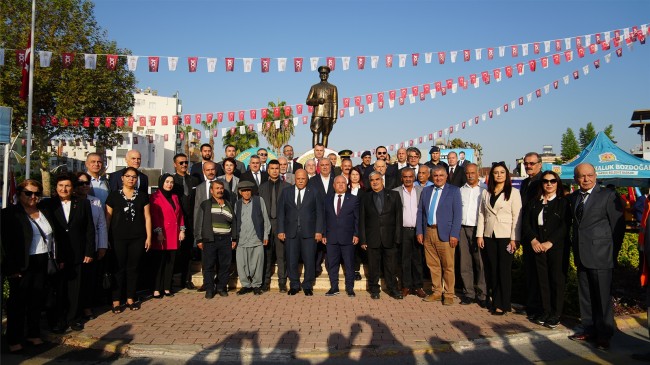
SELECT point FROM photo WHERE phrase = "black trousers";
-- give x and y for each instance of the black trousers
(274, 253)
(389, 257)
(183, 257)
(594, 293)
(305, 249)
(335, 254)
(127, 259)
(67, 293)
(533, 294)
(411, 259)
(164, 269)
(218, 251)
(498, 272)
(26, 298)
(551, 272)
(88, 284)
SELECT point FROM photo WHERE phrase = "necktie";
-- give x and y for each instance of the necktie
(432, 214)
(581, 206)
(186, 189)
(451, 172)
(273, 199)
(257, 179)
(378, 202)
(338, 205)
(282, 177)
(317, 166)
(290, 166)
(299, 202)
(263, 167)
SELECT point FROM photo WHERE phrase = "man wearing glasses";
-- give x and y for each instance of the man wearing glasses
(382, 154)
(529, 189)
(413, 155)
(184, 188)
(264, 154)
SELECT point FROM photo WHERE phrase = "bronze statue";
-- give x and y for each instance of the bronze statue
(324, 98)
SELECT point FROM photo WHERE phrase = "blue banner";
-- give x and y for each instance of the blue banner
(5, 124)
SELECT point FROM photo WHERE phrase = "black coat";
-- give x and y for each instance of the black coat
(557, 221)
(116, 181)
(248, 176)
(381, 229)
(458, 178)
(76, 237)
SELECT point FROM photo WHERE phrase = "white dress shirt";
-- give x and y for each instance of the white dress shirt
(471, 197)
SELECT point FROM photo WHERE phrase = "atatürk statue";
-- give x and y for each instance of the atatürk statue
(324, 98)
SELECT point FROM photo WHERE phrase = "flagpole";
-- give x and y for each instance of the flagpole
(30, 95)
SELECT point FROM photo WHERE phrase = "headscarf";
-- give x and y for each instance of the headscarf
(165, 193)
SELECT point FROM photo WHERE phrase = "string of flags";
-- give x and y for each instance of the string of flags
(582, 44)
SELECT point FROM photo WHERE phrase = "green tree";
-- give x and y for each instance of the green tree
(186, 130)
(570, 146)
(241, 142)
(71, 94)
(586, 135)
(609, 132)
(277, 137)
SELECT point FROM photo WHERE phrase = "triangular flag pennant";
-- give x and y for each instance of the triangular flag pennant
(466, 55)
(441, 57)
(389, 60)
(547, 46)
(90, 61)
(331, 63)
(211, 63)
(172, 62)
(524, 49)
(490, 53)
(477, 53)
(153, 62)
(585, 69)
(67, 58)
(453, 55)
(132, 62)
(415, 57)
(565, 79)
(45, 57)
(502, 51)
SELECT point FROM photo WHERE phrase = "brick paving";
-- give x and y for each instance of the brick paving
(299, 323)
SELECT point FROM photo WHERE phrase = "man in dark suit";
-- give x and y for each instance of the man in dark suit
(389, 170)
(202, 191)
(133, 159)
(413, 155)
(255, 175)
(293, 165)
(185, 190)
(598, 229)
(341, 235)
(440, 214)
(74, 232)
(456, 173)
(206, 156)
(300, 225)
(274, 251)
(230, 152)
(323, 183)
(380, 232)
(389, 181)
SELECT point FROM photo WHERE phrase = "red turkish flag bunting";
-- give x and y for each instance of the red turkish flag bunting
(198, 134)
(617, 33)
(426, 88)
(264, 113)
(515, 51)
(208, 118)
(64, 122)
(438, 86)
(490, 53)
(389, 60)
(592, 48)
(152, 120)
(451, 129)
(401, 100)
(485, 76)
(475, 120)
(187, 119)
(430, 136)
(463, 124)
(558, 45)
(568, 55)
(605, 46)
(54, 121)
(616, 42)
(450, 83)
(415, 57)
(357, 100)
(153, 63)
(538, 93)
(86, 122)
(231, 116)
(556, 58)
(299, 109)
(267, 125)
(131, 121)
(276, 112)
(422, 96)
(108, 122)
(441, 57)
(466, 55)
(443, 91)
(143, 121)
(555, 84)
(120, 122)
(253, 114)
(67, 59)
(520, 68)
(175, 119)
(544, 62)
(331, 63)
(581, 52)
(403, 92)
(598, 38)
(597, 63)
(439, 133)
(297, 64)
(415, 90)
(361, 108)
(287, 110)
(219, 117)
(242, 115)
(111, 61)
(192, 63)
(472, 79)
(380, 104)
(391, 94)
(532, 64)
(232, 131)
(304, 119)
(380, 97)
(490, 113)
(536, 48)
(265, 64)
(505, 108)
(96, 121)
(164, 120)
(341, 113)
(346, 102)
(181, 135)
(361, 62)
(521, 100)
(197, 118)
(497, 73)
(230, 64)
(21, 57)
(310, 109)
(619, 52)
(368, 98)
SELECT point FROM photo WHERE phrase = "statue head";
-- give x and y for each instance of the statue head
(324, 72)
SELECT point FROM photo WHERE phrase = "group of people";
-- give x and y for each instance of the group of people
(399, 218)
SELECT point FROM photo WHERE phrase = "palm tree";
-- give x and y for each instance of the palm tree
(186, 130)
(241, 141)
(277, 137)
(210, 127)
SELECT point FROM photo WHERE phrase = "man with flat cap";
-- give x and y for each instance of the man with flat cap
(323, 97)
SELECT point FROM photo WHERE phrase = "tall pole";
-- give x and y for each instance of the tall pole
(30, 95)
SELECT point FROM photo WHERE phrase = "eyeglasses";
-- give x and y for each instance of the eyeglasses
(262, 154)
(29, 194)
(530, 163)
(549, 181)
(183, 163)
(413, 156)
(130, 176)
(82, 183)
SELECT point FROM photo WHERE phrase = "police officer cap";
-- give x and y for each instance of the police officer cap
(434, 149)
(324, 69)
(365, 153)
(346, 153)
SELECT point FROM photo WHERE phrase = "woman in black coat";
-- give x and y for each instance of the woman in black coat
(545, 227)
(27, 241)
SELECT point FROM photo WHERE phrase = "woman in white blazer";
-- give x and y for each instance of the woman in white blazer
(498, 231)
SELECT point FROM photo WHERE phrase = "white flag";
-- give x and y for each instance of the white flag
(626, 32)
(427, 57)
(259, 127)
(132, 62)
(524, 49)
(248, 64)
(547, 88)
(391, 103)
(45, 57)
(476, 84)
(512, 104)
(371, 107)
(346, 62)
(295, 121)
(566, 79)
(498, 111)
(402, 59)
(351, 110)
(498, 78)
(242, 129)
(457, 127)
(608, 57)
(470, 121)
(374, 60)
(90, 61)
(585, 69)
(2, 57)
(314, 63)
(547, 46)
(607, 36)
(171, 63)
(529, 97)
(432, 92)
(453, 56)
(282, 64)
(483, 116)
(588, 40)
(223, 131)
(477, 53)
(523, 69)
(212, 64)
(411, 98)
(644, 29)
(567, 43)
(502, 51)
(454, 87)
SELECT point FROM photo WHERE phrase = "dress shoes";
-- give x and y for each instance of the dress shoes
(159, 296)
(222, 293)
(357, 276)
(169, 294)
(374, 295)
(283, 288)
(257, 291)
(209, 294)
(433, 298)
(405, 292)
(552, 322)
(190, 285)
(77, 326)
(201, 288)
(243, 291)
(308, 292)
(397, 295)
(602, 344)
(466, 301)
(419, 292)
(581, 336)
(332, 292)
(481, 303)
(266, 287)
(293, 291)
(350, 293)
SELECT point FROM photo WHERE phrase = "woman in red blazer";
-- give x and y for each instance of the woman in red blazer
(169, 229)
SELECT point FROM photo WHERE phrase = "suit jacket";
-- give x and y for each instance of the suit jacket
(557, 220)
(115, 181)
(197, 171)
(17, 235)
(186, 201)
(597, 238)
(458, 178)
(265, 193)
(390, 182)
(200, 195)
(449, 215)
(381, 229)
(235, 182)
(339, 229)
(168, 218)
(248, 176)
(76, 236)
(504, 219)
(295, 165)
(418, 193)
(317, 183)
(309, 216)
(431, 164)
